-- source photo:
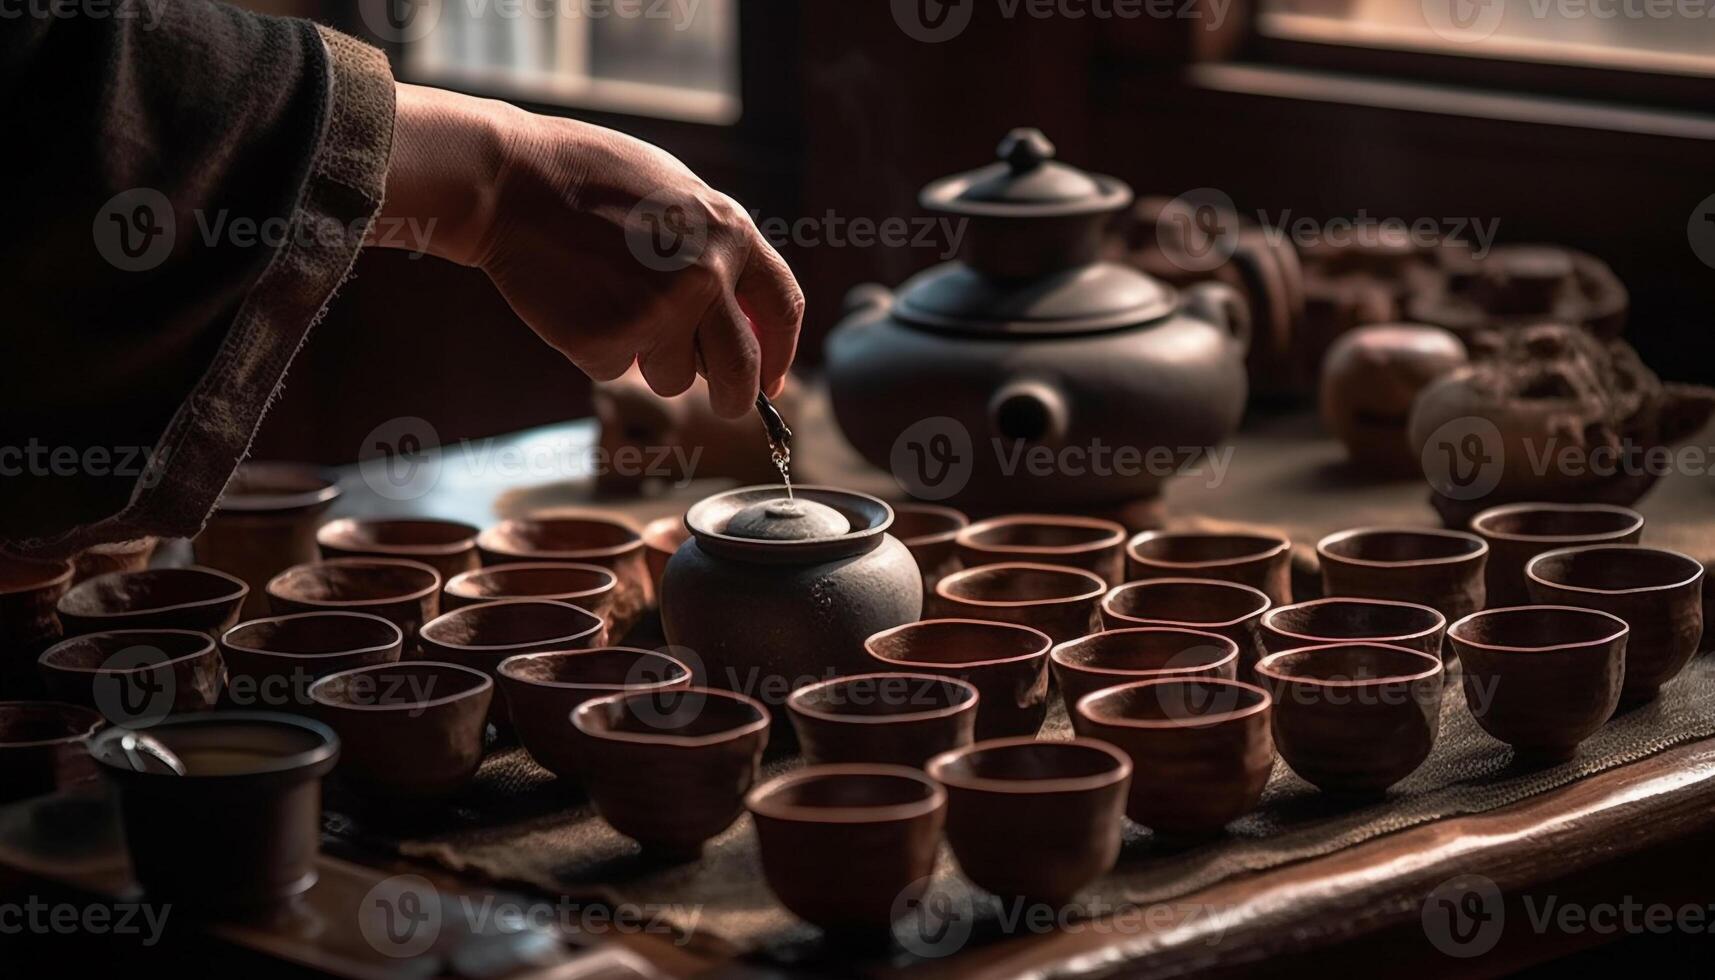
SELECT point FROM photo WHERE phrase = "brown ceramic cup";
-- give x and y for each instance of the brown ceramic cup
(1516, 533)
(1659, 593)
(542, 690)
(411, 731)
(405, 593)
(29, 621)
(1006, 663)
(1442, 569)
(271, 663)
(589, 587)
(481, 636)
(848, 847)
(1114, 657)
(44, 746)
(1058, 600)
(589, 538)
(1034, 820)
(1089, 543)
(135, 677)
(194, 598)
(449, 547)
(108, 557)
(890, 718)
(1261, 561)
(1354, 718)
(1541, 678)
(1200, 749)
(1224, 608)
(264, 523)
(1320, 622)
(661, 538)
(930, 533)
(670, 769)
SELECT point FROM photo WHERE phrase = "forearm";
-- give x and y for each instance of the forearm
(446, 163)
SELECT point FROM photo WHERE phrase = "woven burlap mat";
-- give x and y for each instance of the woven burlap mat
(517, 826)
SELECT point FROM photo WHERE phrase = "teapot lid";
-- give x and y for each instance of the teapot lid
(1026, 182)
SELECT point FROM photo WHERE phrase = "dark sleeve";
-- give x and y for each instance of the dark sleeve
(187, 186)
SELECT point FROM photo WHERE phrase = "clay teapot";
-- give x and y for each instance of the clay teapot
(770, 594)
(1030, 369)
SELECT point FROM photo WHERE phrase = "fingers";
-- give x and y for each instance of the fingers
(671, 365)
(732, 360)
(769, 295)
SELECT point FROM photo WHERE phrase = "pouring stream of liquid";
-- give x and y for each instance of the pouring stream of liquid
(779, 440)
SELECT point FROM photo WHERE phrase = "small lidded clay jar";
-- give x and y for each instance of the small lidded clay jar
(771, 593)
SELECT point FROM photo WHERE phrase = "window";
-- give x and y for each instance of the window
(1668, 36)
(676, 59)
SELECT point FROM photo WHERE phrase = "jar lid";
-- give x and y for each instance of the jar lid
(1026, 182)
(746, 524)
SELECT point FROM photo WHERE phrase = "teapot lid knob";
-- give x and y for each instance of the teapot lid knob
(1025, 149)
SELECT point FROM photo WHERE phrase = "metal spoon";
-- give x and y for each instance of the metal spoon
(138, 748)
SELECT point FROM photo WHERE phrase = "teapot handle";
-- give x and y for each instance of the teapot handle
(1223, 306)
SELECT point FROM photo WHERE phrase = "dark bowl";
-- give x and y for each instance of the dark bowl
(405, 593)
(264, 523)
(930, 532)
(1005, 662)
(270, 663)
(1224, 608)
(661, 537)
(29, 621)
(483, 635)
(889, 718)
(1659, 593)
(590, 587)
(1089, 543)
(1354, 718)
(1114, 657)
(670, 769)
(542, 690)
(449, 547)
(1516, 533)
(589, 538)
(1199, 748)
(1034, 820)
(1320, 622)
(412, 731)
(200, 599)
(1056, 599)
(1438, 568)
(44, 747)
(135, 677)
(1541, 678)
(848, 847)
(1261, 561)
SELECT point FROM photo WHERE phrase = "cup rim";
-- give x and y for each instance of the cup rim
(936, 768)
(62, 570)
(595, 625)
(207, 647)
(1046, 644)
(483, 683)
(1623, 631)
(1439, 624)
(487, 539)
(412, 596)
(795, 705)
(283, 500)
(507, 669)
(1279, 544)
(239, 591)
(323, 753)
(1230, 656)
(762, 800)
(74, 713)
(652, 530)
(1255, 593)
(1113, 537)
(457, 582)
(1266, 666)
(1506, 510)
(960, 519)
(1322, 551)
(1098, 585)
(760, 723)
(227, 641)
(1531, 575)
(326, 536)
(1264, 703)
